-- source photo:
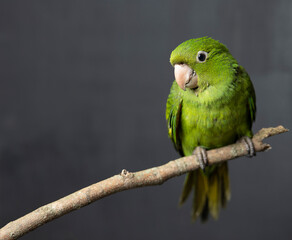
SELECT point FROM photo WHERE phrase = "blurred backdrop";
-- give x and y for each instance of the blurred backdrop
(83, 87)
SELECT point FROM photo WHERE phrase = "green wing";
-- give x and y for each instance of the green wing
(251, 100)
(173, 113)
(252, 104)
(249, 90)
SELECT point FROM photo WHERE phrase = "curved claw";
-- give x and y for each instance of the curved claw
(249, 146)
(201, 156)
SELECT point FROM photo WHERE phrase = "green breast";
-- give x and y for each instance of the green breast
(212, 126)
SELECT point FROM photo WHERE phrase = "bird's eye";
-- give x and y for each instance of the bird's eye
(202, 56)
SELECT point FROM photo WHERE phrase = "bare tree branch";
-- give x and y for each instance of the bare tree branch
(128, 180)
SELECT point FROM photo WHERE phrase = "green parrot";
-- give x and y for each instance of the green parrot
(211, 104)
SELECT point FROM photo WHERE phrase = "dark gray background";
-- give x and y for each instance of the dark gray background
(83, 86)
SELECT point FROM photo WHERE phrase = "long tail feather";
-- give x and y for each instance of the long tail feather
(188, 185)
(211, 191)
(201, 189)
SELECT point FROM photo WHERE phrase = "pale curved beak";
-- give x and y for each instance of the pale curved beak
(185, 76)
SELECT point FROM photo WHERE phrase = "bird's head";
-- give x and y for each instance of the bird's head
(200, 63)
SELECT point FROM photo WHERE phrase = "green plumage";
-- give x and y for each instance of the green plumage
(217, 113)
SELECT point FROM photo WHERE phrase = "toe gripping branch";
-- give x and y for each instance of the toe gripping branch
(249, 146)
(201, 156)
(201, 152)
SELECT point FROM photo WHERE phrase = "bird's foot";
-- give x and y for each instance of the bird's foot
(201, 156)
(249, 146)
